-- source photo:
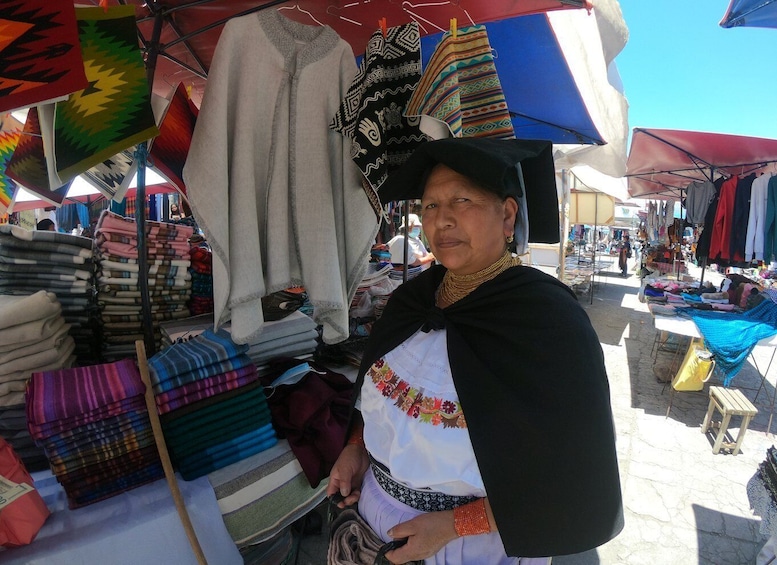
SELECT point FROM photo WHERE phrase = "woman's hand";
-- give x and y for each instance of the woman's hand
(347, 474)
(427, 534)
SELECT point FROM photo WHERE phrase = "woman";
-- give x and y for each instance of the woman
(484, 431)
(417, 255)
(175, 213)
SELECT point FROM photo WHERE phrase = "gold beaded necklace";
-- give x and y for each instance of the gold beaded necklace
(455, 287)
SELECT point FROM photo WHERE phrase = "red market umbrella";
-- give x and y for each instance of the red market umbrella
(662, 162)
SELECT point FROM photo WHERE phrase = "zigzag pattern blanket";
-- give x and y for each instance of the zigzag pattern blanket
(114, 111)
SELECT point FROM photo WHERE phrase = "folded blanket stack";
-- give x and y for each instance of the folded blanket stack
(93, 425)
(295, 335)
(201, 270)
(212, 406)
(118, 290)
(60, 263)
(33, 337)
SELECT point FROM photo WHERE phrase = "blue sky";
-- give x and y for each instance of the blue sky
(681, 70)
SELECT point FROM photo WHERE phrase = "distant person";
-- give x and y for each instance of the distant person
(46, 225)
(418, 255)
(176, 213)
(624, 254)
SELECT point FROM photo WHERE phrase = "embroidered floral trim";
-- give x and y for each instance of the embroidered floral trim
(413, 402)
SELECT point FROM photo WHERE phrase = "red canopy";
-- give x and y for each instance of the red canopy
(662, 162)
(190, 29)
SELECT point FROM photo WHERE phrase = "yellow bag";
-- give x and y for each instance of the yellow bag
(696, 368)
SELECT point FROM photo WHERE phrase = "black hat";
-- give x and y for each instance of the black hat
(492, 164)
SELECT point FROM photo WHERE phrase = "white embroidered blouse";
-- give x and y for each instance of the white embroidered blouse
(413, 422)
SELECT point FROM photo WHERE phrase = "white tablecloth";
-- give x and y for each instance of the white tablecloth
(137, 526)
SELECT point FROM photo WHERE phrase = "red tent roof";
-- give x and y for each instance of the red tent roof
(662, 162)
(191, 28)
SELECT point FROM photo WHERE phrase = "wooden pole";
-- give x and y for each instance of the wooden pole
(167, 465)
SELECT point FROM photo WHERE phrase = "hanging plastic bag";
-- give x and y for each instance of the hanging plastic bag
(696, 368)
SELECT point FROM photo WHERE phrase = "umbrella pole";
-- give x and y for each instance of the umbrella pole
(596, 244)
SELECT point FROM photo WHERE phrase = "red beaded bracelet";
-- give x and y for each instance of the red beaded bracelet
(471, 519)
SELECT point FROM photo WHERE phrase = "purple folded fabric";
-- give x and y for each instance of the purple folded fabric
(69, 397)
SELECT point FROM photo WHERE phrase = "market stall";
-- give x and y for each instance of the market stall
(240, 504)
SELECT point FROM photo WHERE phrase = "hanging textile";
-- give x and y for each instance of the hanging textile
(720, 248)
(700, 194)
(171, 146)
(40, 57)
(740, 217)
(114, 113)
(8, 142)
(460, 89)
(770, 224)
(112, 177)
(286, 206)
(754, 239)
(371, 113)
(27, 166)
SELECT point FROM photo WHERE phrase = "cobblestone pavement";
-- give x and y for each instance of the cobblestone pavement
(683, 505)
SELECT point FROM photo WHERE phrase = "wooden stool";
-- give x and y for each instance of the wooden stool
(729, 402)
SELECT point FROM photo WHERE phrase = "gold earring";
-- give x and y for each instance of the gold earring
(510, 239)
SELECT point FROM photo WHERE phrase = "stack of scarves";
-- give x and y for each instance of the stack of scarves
(93, 425)
(33, 337)
(60, 263)
(118, 290)
(201, 270)
(211, 403)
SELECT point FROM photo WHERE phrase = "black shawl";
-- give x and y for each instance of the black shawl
(530, 375)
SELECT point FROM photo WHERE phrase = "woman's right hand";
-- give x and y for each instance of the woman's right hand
(347, 474)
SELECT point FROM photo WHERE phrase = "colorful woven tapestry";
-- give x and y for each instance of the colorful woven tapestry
(171, 146)
(8, 143)
(27, 166)
(113, 176)
(371, 111)
(40, 56)
(461, 88)
(114, 112)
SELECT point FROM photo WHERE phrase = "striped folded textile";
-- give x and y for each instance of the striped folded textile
(205, 464)
(112, 222)
(73, 396)
(231, 445)
(201, 438)
(51, 236)
(205, 355)
(207, 387)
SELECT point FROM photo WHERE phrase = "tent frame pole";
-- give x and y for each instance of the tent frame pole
(141, 155)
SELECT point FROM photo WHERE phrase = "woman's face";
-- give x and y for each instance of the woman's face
(466, 226)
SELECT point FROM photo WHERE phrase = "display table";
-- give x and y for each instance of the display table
(137, 526)
(686, 327)
(242, 504)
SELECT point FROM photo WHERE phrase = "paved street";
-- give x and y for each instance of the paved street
(683, 505)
